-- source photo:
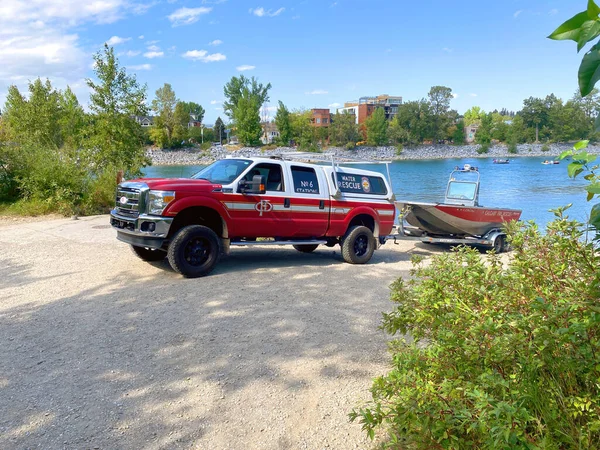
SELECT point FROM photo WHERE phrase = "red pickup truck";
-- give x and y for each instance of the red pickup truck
(235, 201)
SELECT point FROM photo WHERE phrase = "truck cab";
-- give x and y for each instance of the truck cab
(251, 201)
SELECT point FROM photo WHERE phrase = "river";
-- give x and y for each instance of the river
(525, 183)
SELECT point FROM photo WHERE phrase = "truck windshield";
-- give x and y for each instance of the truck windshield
(223, 171)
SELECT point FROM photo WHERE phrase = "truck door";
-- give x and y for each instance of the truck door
(309, 201)
(265, 215)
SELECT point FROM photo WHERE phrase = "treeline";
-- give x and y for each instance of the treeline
(56, 157)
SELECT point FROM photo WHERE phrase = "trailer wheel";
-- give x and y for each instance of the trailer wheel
(358, 245)
(194, 251)
(149, 254)
(500, 243)
(306, 248)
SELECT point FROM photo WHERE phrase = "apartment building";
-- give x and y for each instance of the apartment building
(321, 117)
(365, 106)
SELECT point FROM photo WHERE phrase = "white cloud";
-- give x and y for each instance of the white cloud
(152, 42)
(447, 50)
(553, 12)
(153, 48)
(129, 53)
(141, 36)
(187, 16)
(202, 55)
(244, 67)
(473, 95)
(215, 102)
(517, 13)
(317, 92)
(215, 42)
(454, 95)
(151, 55)
(262, 12)
(140, 67)
(335, 105)
(116, 40)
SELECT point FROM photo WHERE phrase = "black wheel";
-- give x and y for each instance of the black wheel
(358, 245)
(194, 251)
(306, 248)
(499, 244)
(149, 254)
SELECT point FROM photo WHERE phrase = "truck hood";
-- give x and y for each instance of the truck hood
(178, 184)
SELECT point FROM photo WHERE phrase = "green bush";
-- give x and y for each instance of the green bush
(399, 149)
(206, 146)
(512, 148)
(350, 145)
(545, 147)
(495, 355)
(483, 148)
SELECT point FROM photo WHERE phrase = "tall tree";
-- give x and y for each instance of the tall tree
(282, 120)
(343, 129)
(376, 126)
(114, 138)
(302, 130)
(473, 115)
(233, 91)
(163, 106)
(415, 117)
(439, 99)
(194, 110)
(220, 130)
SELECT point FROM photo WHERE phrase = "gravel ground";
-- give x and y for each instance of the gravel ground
(102, 350)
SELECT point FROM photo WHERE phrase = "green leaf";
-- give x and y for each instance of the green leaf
(593, 188)
(564, 154)
(589, 72)
(571, 29)
(595, 216)
(574, 169)
(589, 31)
(580, 144)
(592, 10)
(589, 196)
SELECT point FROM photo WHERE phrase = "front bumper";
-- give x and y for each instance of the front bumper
(143, 231)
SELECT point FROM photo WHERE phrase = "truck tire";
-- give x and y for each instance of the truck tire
(358, 245)
(149, 254)
(306, 248)
(194, 251)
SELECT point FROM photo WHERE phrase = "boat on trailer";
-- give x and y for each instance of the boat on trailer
(459, 218)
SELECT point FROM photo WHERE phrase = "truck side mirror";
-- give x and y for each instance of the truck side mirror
(256, 186)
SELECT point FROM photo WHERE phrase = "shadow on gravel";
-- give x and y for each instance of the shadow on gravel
(153, 363)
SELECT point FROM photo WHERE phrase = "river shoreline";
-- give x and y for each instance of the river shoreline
(195, 156)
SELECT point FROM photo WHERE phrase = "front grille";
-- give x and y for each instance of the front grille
(129, 208)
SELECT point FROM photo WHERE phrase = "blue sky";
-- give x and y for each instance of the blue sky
(315, 53)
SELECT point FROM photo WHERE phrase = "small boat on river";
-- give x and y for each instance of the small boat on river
(546, 162)
(460, 213)
(500, 161)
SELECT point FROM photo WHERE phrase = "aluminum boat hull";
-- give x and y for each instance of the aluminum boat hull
(443, 219)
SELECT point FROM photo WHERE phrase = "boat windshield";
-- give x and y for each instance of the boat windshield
(223, 171)
(460, 190)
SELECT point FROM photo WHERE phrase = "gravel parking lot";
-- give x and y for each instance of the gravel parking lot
(102, 350)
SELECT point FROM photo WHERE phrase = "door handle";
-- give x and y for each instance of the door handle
(286, 203)
(322, 204)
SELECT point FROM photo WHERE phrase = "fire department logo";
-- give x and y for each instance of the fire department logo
(366, 185)
(123, 200)
(263, 206)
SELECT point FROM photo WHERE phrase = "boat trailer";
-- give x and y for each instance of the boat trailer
(494, 239)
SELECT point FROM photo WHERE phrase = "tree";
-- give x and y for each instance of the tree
(282, 120)
(302, 130)
(193, 110)
(220, 130)
(376, 126)
(458, 137)
(246, 118)
(416, 119)
(164, 107)
(484, 132)
(439, 99)
(343, 129)
(473, 115)
(114, 138)
(234, 89)
(244, 98)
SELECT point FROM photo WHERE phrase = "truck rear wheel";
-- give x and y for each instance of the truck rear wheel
(306, 248)
(358, 245)
(194, 251)
(149, 254)
(500, 244)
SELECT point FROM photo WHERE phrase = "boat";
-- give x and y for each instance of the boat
(501, 161)
(546, 162)
(460, 213)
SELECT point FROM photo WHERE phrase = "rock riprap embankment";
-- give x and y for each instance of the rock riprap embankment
(192, 156)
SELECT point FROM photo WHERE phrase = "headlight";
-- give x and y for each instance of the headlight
(158, 201)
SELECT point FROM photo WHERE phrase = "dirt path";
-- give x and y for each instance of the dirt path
(102, 350)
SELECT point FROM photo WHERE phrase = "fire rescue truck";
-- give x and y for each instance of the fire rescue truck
(254, 201)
